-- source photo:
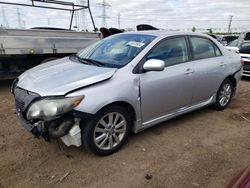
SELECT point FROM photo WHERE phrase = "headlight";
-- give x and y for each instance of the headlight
(50, 108)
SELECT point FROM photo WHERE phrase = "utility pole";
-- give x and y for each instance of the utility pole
(104, 16)
(19, 18)
(230, 23)
(48, 21)
(81, 17)
(84, 16)
(24, 24)
(119, 20)
(5, 21)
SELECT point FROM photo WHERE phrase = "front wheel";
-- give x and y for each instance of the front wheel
(224, 95)
(107, 131)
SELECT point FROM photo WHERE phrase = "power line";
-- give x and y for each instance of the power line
(104, 16)
(157, 19)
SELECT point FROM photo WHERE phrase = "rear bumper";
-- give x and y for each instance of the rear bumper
(246, 73)
(246, 67)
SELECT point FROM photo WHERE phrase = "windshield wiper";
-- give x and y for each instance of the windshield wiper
(79, 59)
(95, 62)
(89, 61)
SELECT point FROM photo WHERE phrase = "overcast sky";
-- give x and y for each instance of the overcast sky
(165, 14)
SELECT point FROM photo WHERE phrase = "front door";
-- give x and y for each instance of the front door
(171, 89)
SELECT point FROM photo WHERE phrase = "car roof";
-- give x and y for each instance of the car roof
(162, 33)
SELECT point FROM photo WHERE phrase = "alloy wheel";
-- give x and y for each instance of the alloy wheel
(110, 131)
(225, 94)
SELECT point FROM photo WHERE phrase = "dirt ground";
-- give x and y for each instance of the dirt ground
(205, 148)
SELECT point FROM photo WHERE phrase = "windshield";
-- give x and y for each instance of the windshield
(117, 50)
(233, 43)
(245, 48)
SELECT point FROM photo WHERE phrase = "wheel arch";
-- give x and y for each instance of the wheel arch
(88, 129)
(217, 105)
(124, 104)
(233, 80)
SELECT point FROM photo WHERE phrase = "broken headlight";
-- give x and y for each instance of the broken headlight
(48, 109)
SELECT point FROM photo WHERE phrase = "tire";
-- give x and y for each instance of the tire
(101, 137)
(225, 91)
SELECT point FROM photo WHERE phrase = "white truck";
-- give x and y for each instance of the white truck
(21, 49)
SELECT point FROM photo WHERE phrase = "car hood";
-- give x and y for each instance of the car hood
(62, 76)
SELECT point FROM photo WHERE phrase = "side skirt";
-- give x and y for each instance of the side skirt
(142, 126)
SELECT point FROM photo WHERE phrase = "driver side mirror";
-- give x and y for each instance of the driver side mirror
(154, 65)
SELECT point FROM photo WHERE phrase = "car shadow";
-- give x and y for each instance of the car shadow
(246, 78)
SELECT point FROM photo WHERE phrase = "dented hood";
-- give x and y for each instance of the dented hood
(62, 76)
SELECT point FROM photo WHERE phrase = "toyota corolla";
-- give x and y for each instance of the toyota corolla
(125, 83)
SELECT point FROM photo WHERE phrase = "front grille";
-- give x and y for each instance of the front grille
(23, 98)
(20, 105)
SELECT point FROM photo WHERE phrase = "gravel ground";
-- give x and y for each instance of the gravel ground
(205, 148)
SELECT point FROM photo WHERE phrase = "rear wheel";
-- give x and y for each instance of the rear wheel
(107, 131)
(224, 95)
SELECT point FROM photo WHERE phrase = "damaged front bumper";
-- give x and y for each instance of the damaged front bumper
(65, 127)
(68, 131)
(37, 129)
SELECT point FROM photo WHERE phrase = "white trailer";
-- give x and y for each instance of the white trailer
(21, 49)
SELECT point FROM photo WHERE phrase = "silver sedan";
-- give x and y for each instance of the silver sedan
(125, 83)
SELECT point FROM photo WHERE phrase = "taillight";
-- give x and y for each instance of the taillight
(241, 61)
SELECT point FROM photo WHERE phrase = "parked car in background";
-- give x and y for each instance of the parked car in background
(244, 51)
(125, 82)
(244, 36)
(225, 40)
(233, 46)
(214, 36)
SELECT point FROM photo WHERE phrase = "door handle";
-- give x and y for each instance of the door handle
(189, 71)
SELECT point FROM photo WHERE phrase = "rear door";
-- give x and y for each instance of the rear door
(209, 68)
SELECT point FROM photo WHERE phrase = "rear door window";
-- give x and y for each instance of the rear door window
(203, 48)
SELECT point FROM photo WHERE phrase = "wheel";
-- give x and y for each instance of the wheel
(107, 131)
(224, 95)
